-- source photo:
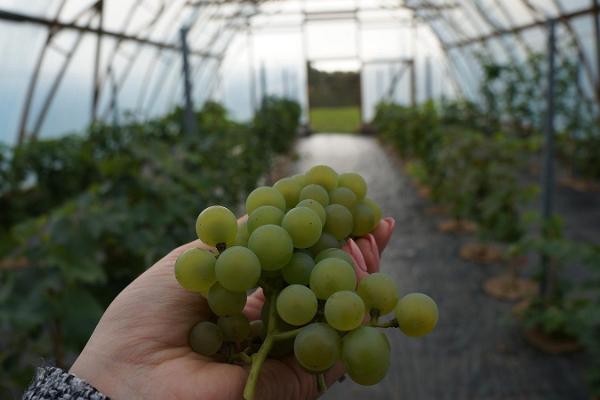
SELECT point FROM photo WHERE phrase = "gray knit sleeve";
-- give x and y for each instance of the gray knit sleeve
(55, 384)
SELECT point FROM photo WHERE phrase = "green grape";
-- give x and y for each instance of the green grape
(343, 196)
(376, 210)
(303, 225)
(315, 206)
(264, 215)
(322, 175)
(354, 182)
(241, 239)
(300, 179)
(237, 269)
(206, 338)
(334, 253)
(326, 241)
(298, 269)
(296, 305)
(273, 246)
(417, 314)
(195, 270)
(366, 355)
(257, 329)
(364, 219)
(235, 328)
(280, 324)
(315, 192)
(344, 310)
(379, 292)
(264, 196)
(339, 221)
(332, 275)
(317, 347)
(290, 189)
(216, 225)
(225, 302)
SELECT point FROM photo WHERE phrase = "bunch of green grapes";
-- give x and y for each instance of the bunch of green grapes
(315, 308)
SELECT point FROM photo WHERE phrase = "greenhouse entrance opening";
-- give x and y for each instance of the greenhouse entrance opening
(335, 95)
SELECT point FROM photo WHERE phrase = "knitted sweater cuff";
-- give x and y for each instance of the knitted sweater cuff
(52, 383)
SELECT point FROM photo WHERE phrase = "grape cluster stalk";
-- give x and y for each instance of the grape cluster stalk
(315, 307)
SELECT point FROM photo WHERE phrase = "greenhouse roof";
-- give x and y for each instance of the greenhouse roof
(122, 54)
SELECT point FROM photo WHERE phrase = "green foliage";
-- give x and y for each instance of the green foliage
(475, 174)
(569, 309)
(112, 202)
(515, 96)
(276, 122)
(415, 131)
(333, 89)
(556, 319)
(465, 113)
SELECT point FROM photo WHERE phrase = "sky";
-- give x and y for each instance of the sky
(275, 50)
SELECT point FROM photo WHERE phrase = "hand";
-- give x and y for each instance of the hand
(139, 349)
(366, 251)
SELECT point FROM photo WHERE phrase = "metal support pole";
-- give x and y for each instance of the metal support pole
(596, 15)
(97, 79)
(263, 83)
(359, 56)
(284, 84)
(413, 65)
(251, 73)
(413, 84)
(548, 172)
(428, 78)
(189, 119)
(306, 68)
(379, 84)
(576, 131)
(114, 106)
(294, 87)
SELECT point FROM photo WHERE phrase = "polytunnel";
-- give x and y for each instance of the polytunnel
(126, 125)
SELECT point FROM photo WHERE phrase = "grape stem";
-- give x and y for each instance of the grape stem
(243, 357)
(390, 324)
(321, 383)
(221, 247)
(286, 334)
(257, 359)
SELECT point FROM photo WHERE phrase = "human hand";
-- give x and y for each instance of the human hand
(139, 349)
(366, 251)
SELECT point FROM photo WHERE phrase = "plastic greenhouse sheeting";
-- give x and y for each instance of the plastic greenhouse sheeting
(139, 62)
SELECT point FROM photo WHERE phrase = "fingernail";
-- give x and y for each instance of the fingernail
(357, 255)
(373, 265)
(391, 222)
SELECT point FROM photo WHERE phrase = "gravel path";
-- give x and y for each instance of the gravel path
(476, 351)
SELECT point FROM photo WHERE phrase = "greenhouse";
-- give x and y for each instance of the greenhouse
(292, 199)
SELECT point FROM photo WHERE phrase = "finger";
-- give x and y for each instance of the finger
(360, 267)
(383, 232)
(254, 305)
(370, 251)
(286, 379)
